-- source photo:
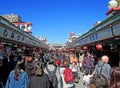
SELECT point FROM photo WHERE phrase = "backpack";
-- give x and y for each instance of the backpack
(68, 75)
(46, 57)
(98, 80)
(52, 77)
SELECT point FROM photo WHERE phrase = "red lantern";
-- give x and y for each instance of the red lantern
(85, 47)
(99, 46)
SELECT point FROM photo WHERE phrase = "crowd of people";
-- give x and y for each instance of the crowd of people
(36, 69)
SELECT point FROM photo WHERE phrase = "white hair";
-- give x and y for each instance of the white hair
(105, 58)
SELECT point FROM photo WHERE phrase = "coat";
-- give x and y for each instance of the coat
(85, 62)
(39, 81)
(20, 83)
(105, 69)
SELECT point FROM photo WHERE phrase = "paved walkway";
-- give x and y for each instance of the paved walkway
(80, 84)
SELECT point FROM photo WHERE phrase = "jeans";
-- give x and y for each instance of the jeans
(75, 75)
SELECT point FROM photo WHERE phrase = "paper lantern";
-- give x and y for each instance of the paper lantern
(85, 47)
(99, 46)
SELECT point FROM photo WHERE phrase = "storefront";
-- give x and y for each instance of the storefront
(12, 36)
(107, 34)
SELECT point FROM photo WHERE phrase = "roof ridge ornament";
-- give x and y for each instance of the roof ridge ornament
(113, 4)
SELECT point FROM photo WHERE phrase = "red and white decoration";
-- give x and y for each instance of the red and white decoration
(25, 26)
(71, 34)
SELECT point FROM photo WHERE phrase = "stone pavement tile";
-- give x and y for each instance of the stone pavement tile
(80, 84)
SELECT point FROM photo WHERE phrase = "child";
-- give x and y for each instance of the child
(86, 79)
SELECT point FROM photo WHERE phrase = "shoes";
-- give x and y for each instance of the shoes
(84, 83)
(76, 80)
(83, 74)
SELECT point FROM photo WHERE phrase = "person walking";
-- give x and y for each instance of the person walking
(29, 64)
(115, 77)
(18, 78)
(106, 67)
(81, 58)
(39, 79)
(101, 76)
(75, 71)
(63, 67)
(50, 70)
(88, 63)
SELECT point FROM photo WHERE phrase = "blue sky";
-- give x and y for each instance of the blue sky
(55, 19)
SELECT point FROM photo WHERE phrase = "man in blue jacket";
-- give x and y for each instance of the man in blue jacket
(106, 67)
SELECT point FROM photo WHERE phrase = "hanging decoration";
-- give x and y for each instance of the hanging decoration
(85, 48)
(99, 46)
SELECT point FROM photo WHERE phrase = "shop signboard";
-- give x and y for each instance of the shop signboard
(89, 39)
(99, 35)
(103, 25)
(12, 35)
(16, 35)
(105, 34)
(116, 29)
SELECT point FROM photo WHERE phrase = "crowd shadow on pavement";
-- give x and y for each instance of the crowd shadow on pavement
(80, 84)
